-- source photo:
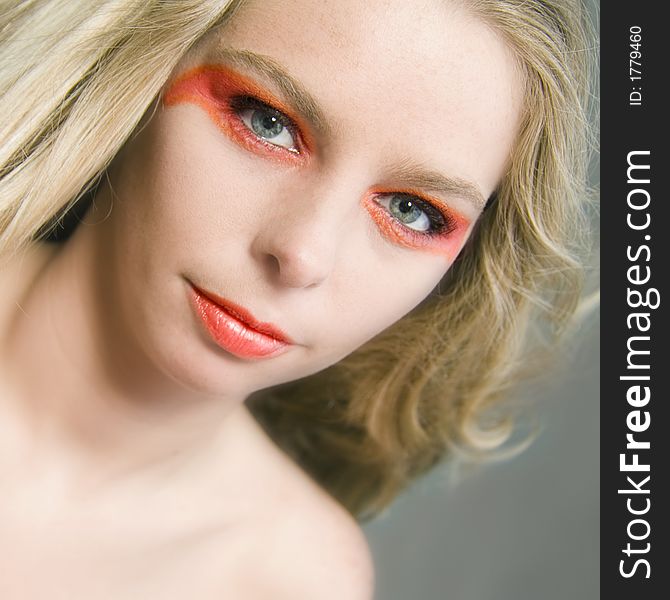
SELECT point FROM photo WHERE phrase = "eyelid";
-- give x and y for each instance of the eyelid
(453, 218)
(446, 243)
(213, 87)
(249, 87)
(238, 104)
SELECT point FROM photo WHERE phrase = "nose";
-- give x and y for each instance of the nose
(301, 238)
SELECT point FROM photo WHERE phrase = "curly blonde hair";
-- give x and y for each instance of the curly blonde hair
(76, 79)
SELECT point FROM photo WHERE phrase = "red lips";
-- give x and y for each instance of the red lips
(235, 329)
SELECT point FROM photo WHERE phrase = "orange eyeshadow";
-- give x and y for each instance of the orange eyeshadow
(446, 242)
(216, 88)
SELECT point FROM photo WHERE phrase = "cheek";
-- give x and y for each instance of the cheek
(181, 182)
(384, 295)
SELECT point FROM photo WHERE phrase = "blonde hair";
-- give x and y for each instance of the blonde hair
(77, 77)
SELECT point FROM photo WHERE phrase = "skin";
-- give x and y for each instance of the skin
(129, 420)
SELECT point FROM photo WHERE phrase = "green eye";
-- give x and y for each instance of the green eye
(412, 212)
(266, 123)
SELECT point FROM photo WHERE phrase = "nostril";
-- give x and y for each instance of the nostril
(274, 266)
(299, 267)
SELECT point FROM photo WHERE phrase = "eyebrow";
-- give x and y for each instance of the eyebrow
(413, 175)
(432, 181)
(296, 94)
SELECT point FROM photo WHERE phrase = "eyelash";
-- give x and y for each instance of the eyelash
(438, 221)
(443, 236)
(238, 104)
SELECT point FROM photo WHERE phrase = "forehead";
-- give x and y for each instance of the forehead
(422, 80)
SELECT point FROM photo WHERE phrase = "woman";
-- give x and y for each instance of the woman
(375, 197)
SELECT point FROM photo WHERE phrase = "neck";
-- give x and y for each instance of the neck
(84, 388)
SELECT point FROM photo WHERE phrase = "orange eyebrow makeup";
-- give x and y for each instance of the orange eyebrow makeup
(219, 90)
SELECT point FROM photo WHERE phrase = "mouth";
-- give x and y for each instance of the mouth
(235, 330)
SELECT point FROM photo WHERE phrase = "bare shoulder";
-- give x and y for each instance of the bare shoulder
(318, 552)
(325, 555)
(310, 546)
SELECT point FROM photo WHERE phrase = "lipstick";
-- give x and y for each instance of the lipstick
(235, 329)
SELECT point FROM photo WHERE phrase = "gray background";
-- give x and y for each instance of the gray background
(524, 529)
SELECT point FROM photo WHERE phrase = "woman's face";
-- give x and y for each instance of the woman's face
(313, 170)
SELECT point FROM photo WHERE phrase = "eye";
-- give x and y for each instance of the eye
(413, 212)
(266, 123)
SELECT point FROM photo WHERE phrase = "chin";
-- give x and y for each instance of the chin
(204, 369)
